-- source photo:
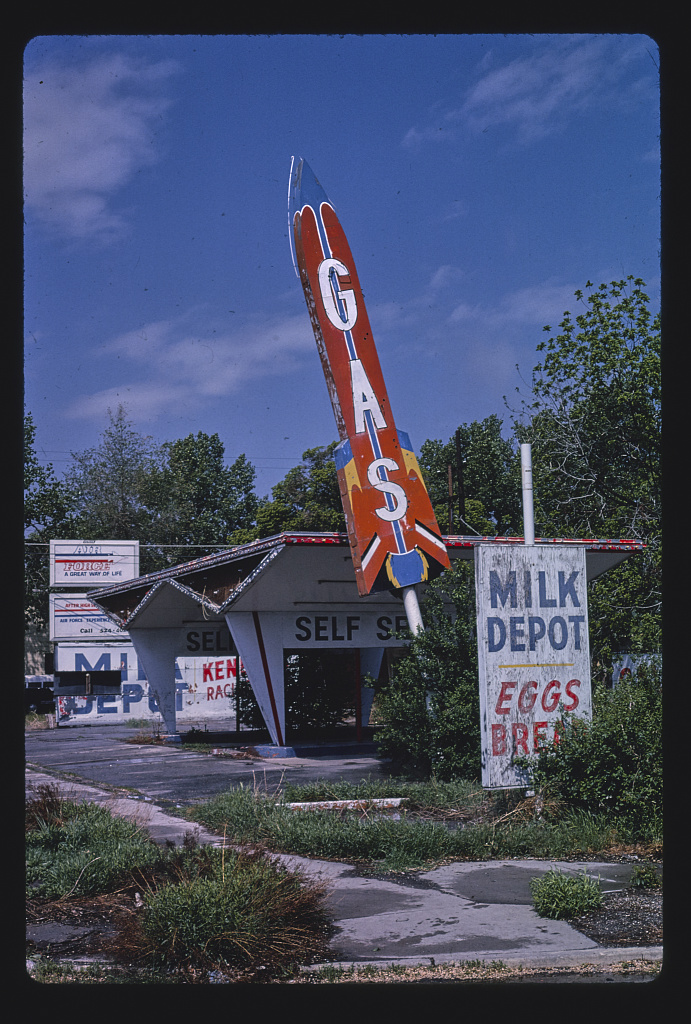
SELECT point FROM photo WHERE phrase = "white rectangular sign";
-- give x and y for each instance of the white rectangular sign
(204, 686)
(75, 617)
(93, 563)
(533, 651)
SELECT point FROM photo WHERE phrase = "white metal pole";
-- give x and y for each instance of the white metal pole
(412, 609)
(527, 489)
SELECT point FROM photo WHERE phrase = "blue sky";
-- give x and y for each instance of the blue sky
(480, 180)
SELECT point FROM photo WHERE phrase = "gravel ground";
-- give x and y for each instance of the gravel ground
(632, 917)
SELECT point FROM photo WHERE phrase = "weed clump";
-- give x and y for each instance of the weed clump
(645, 876)
(560, 896)
(246, 911)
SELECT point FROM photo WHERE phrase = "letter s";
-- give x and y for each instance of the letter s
(575, 700)
(400, 502)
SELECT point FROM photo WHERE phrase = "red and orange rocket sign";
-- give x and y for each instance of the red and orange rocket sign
(394, 537)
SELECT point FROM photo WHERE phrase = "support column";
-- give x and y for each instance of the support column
(157, 649)
(258, 638)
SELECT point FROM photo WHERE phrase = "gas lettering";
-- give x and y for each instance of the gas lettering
(339, 303)
(397, 503)
(364, 399)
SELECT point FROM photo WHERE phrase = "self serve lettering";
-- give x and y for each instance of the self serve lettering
(357, 630)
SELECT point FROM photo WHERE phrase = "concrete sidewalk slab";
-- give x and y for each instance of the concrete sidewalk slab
(457, 912)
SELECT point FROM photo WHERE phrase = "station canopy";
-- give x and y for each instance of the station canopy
(289, 571)
(293, 591)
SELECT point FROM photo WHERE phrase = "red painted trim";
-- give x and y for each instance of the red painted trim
(267, 676)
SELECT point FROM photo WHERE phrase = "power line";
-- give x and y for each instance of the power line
(224, 547)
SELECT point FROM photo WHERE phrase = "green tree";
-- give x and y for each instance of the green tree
(490, 481)
(306, 500)
(48, 514)
(195, 499)
(431, 706)
(594, 424)
(108, 484)
(178, 499)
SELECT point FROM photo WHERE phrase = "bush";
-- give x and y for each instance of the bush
(645, 876)
(559, 896)
(613, 764)
(249, 910)
(431, 709)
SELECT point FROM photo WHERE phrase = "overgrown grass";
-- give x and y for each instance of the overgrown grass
(79, 849)
(430, 795)
(251, 817)
(201, 909)
(50, 972)
(206, 911)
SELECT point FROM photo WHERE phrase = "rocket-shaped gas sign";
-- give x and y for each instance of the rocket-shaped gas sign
(394, 537)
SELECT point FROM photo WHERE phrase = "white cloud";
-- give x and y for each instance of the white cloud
(538, 305)
(173, 365)
(537, 94)
(87, 130)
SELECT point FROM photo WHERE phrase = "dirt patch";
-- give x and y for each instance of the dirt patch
(632, 917)
(77, 927)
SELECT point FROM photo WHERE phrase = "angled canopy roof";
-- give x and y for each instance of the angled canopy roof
(286, 572)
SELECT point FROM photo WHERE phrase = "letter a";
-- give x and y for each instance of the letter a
(364, 398)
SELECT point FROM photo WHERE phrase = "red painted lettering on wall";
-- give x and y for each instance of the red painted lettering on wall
(551, 696)
(526, 698)
(498, 740)
(519, 731)
(224, 668)
(504, 696)
(575, 700)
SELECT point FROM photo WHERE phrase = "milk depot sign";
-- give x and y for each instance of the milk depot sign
(533, 655)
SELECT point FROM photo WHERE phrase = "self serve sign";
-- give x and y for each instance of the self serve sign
(533, 652)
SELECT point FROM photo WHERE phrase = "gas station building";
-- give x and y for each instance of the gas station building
(293, 591)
